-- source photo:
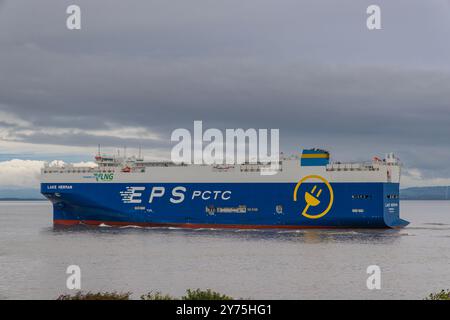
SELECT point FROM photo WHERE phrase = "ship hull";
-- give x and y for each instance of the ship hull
(227, 205)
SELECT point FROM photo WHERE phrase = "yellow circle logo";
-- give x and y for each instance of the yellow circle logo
(312, 199)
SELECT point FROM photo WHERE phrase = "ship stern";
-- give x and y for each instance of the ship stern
(391, 206)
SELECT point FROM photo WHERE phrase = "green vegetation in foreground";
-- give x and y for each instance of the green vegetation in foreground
(157, 296)
(207, 294)
(443, 295)
(197, 294)
(96, 296)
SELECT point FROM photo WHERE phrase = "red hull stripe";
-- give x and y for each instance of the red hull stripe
(181, 225)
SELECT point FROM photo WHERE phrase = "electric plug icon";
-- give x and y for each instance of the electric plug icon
(311, 199)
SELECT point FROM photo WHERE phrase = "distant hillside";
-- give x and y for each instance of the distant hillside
(21, 194)
(425, 193)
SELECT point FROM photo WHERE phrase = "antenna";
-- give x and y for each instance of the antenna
(98, 157)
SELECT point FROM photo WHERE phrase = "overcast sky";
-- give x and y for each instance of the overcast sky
(139, 69)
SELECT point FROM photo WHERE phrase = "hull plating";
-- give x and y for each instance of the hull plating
(227, 205)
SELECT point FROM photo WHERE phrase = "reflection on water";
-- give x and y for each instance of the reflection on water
(372, 236)
(265, 264)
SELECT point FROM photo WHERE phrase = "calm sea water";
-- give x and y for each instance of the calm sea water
(306, 264)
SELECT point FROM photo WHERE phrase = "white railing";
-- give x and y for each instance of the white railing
(352, 166)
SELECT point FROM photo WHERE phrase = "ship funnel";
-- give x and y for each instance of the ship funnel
(315, 157)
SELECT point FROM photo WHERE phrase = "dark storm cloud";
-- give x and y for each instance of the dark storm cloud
(310, 68)
(85, 140)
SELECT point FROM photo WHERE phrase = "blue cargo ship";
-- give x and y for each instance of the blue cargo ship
(307, 191)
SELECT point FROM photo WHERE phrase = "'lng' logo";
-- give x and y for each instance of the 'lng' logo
(104, 176)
